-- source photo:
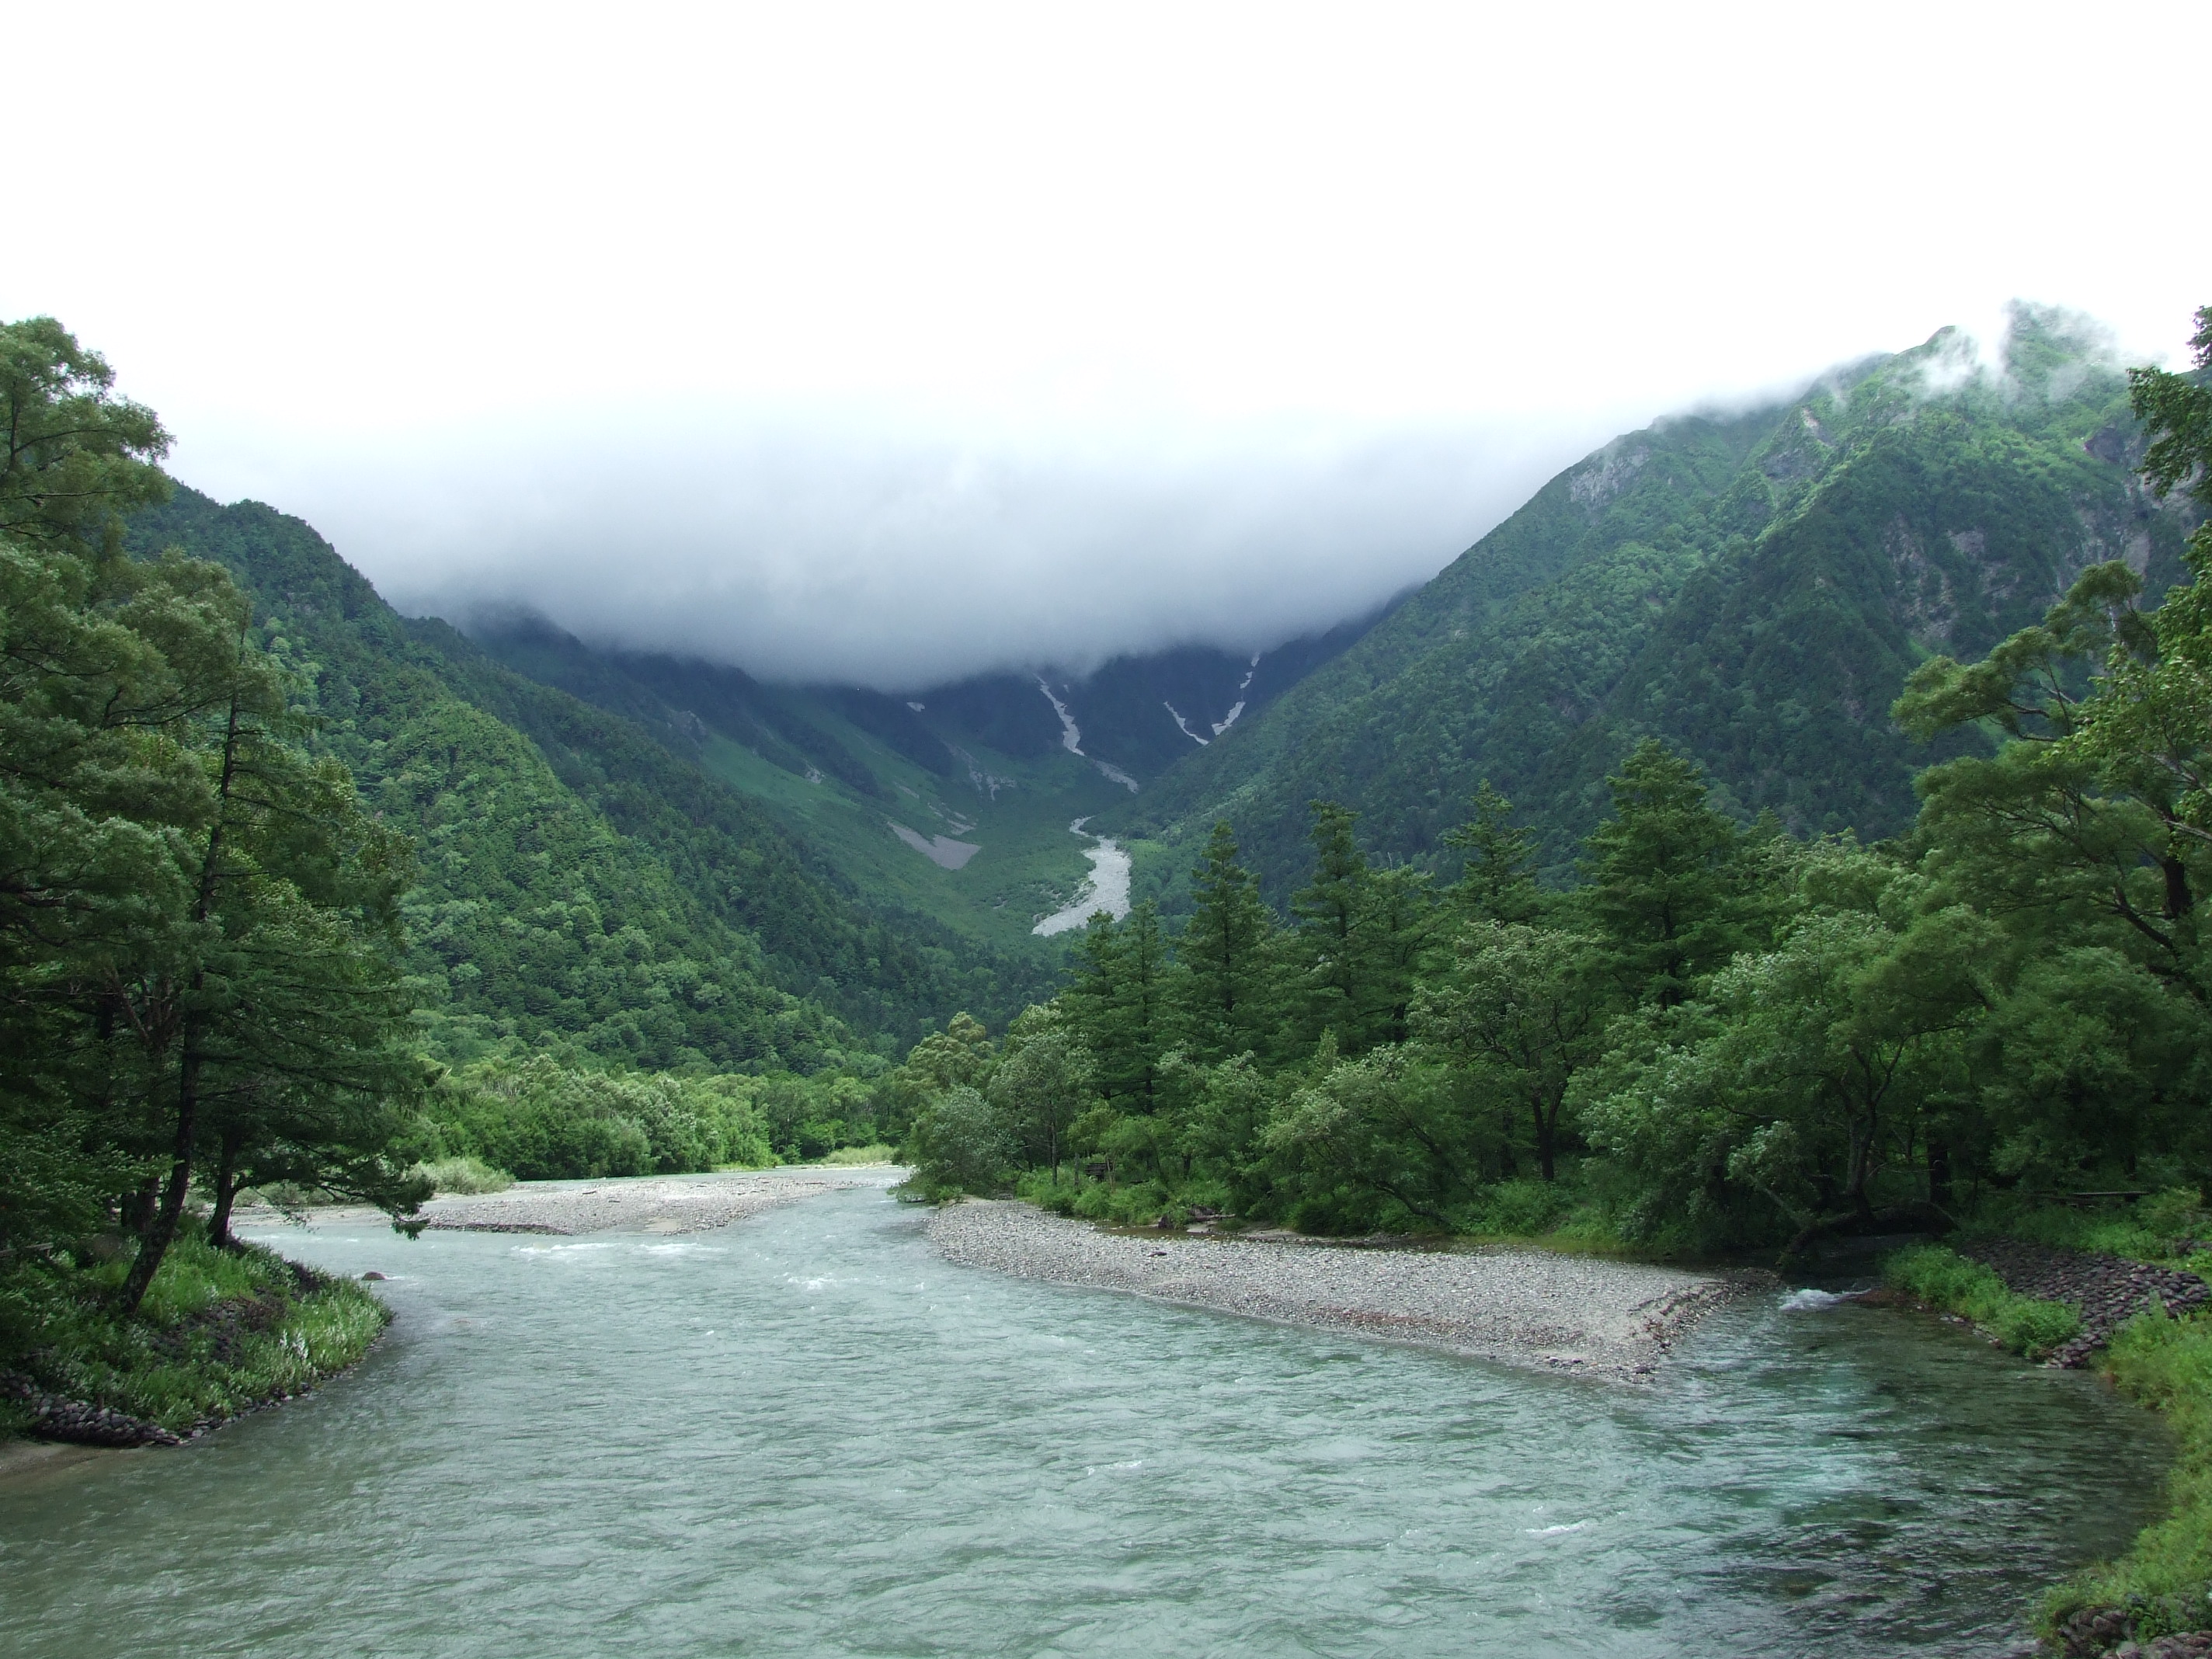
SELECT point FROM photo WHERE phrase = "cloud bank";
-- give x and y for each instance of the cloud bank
(852, 550)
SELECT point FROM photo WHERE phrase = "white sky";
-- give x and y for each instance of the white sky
(894, 342)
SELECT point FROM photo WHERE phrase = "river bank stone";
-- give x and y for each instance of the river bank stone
(656, 1204)
(1580, 1316)
(78, 1423)
(2107, 1291)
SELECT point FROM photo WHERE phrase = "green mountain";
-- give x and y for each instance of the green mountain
(1752, 588)
(955, 802)
(582, 883)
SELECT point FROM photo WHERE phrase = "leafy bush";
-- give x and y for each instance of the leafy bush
(465, 1175)
(1522, 1209)
(847, 1156)
(2147, 1230)
(1943, 1279)
(544, 1121)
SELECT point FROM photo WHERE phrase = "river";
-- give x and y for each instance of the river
(807, 1435)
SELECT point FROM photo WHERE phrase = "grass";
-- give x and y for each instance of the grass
(219, 1333)
(2166, 1581)
(1946, 1280)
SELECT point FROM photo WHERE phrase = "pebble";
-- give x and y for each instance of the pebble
(660, 1204)
(1580, 1315)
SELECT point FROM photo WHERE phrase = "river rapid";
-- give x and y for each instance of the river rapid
(806, 1434)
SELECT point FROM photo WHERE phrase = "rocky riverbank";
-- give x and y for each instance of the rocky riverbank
(2108, 1290)
(1579, 1314)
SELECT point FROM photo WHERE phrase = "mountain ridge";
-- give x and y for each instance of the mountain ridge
(1718, 580)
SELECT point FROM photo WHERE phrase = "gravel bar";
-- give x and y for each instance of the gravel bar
(1580, 1315)
(652, 1204)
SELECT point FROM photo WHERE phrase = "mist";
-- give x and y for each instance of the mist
(857, 552)
(890, 344)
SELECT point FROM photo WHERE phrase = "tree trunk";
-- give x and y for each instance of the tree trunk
(155, 1241)
(1547, 1136)
(2180, 902)
(226, 1193)
(1939, 1172)
(162, 1233)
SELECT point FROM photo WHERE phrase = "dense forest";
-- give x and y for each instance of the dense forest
(303, 899)
(1715, 1034)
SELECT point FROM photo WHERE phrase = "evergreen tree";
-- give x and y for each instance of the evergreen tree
(1329, 946)
(1224, 953)
(1657, 875)
(1119, 1004)
(1497, 880)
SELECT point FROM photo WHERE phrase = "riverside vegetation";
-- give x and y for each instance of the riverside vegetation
(1716, 1037)
(302, 897)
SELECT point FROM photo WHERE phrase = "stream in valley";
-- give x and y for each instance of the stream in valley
(806, 1434)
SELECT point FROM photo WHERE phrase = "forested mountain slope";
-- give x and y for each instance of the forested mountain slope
(955, 802)
(580, 881)
(1753, 588)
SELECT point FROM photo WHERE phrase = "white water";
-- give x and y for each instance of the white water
(1107, 889)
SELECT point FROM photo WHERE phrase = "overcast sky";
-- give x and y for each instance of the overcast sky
(894, 342)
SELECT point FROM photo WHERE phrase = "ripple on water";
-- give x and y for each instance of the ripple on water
(805, 1435)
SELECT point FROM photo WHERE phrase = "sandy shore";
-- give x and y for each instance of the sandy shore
(652, 1204)
(1581, 1314)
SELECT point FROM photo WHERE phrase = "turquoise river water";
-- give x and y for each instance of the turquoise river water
(807, 1435)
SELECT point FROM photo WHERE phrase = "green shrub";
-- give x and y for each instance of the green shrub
(465, 1175)
(1943, 1279)
(845, 1156)
(1522, 1209)
(2146, 1230)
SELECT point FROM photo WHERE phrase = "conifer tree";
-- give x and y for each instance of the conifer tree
(1329, 946)
(1119, 1004)
(1498, 882)
(1225, 955)
(1656, 877)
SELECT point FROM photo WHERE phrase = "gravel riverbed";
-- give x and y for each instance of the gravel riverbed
(1581, 1314)
(652, 1204)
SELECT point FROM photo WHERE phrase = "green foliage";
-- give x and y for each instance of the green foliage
(541, 1121)
(961, 1145)
(199, 923)
(464, 1174)
(2165, 1580)
(218, 1332)
(1946, 1280)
